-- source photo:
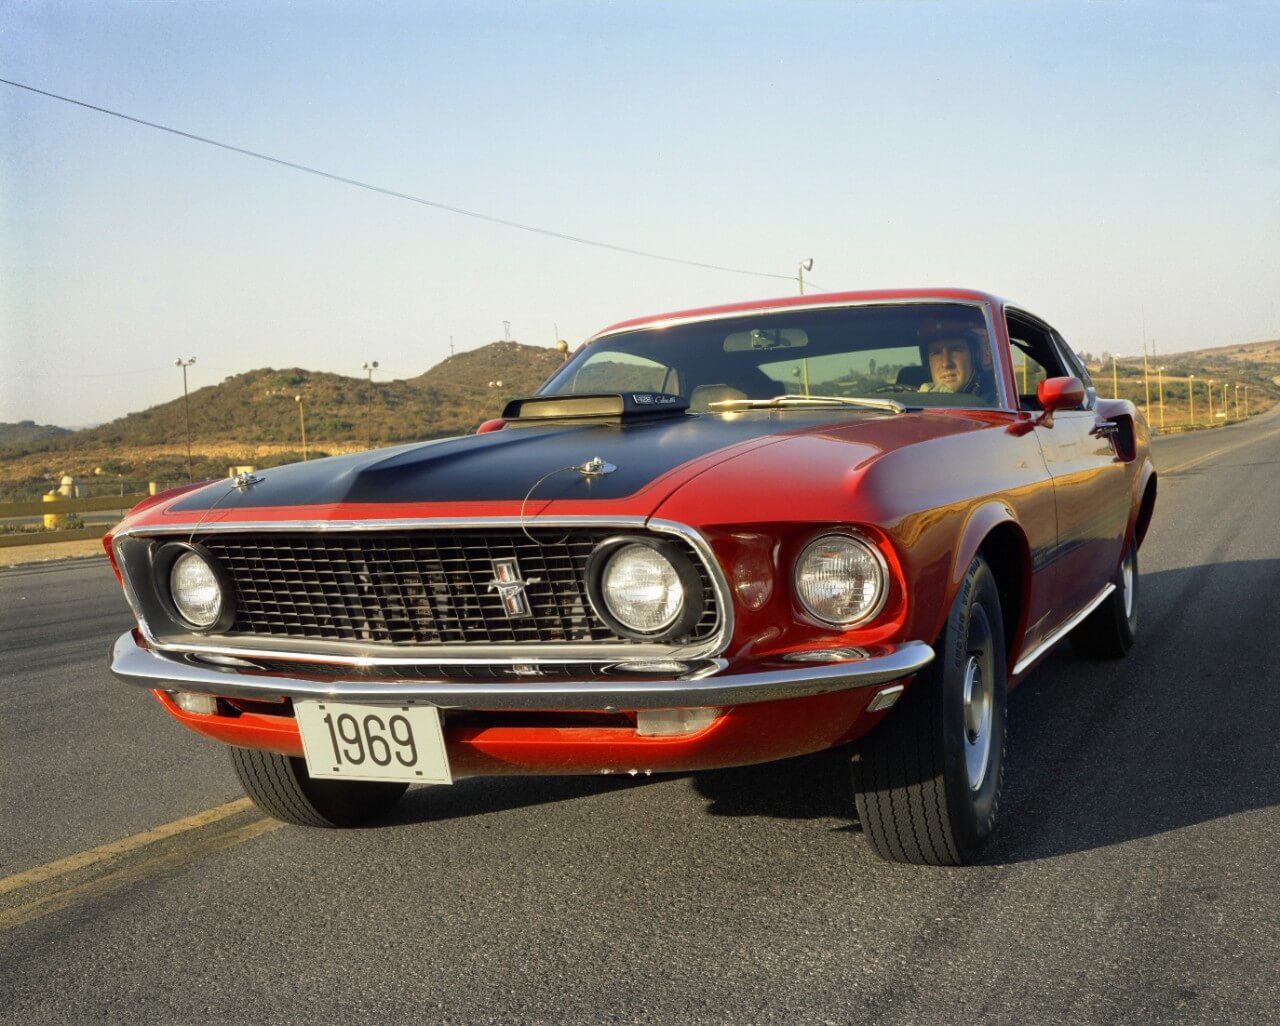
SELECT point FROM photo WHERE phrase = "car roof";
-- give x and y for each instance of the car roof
(811, 302)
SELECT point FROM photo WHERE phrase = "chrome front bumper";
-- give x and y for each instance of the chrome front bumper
(136, 664)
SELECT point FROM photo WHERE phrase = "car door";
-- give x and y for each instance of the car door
(1089, 482)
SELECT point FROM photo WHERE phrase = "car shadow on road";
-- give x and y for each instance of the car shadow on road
(1181, 732)
(482, 796)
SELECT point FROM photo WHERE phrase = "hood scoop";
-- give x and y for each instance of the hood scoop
(606, 408)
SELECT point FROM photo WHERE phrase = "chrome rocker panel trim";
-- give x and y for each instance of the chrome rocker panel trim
(135, 664)
(1025, 662)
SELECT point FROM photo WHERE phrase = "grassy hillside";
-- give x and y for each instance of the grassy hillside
(28, 432)
(253, 418)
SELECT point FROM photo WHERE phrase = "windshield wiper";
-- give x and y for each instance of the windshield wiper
(782, 401)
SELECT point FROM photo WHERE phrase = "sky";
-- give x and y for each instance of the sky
(1114, 167)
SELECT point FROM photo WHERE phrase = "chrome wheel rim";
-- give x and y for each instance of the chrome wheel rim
(977, 722)
(1126, 582)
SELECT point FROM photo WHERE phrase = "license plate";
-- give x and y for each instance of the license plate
(373, 742)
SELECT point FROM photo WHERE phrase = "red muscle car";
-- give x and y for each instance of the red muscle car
(716, 537)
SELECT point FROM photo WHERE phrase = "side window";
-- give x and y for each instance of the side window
(1035, 358)
(623, 372)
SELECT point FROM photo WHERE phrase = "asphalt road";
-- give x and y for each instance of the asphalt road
(1134, 878)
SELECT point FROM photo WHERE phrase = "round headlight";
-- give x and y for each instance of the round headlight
(642, 589)
(195, 589)
(841, 580)
(645, 589)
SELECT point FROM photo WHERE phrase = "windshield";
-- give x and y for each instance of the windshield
(932, 354)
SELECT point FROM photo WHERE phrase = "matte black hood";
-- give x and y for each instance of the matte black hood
(501, 465)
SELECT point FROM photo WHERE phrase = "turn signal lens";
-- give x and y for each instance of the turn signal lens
(195, 590)
(673, 722)
(841, 580)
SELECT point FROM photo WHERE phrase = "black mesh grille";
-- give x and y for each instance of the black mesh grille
(420, 587)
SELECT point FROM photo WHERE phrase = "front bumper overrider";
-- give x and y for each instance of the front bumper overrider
(135, 663)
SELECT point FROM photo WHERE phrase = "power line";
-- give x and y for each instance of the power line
(392, 192)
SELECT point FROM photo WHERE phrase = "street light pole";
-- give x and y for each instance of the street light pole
(302, 422)
(186, 406)
(369, 368)
(804, 265)
(1237, 402)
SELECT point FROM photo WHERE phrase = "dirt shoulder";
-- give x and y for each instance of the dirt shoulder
(19, 555)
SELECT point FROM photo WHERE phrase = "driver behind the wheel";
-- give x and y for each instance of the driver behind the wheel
(960, 363)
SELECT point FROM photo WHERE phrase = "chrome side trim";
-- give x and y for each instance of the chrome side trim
(1064, 630)
(140, 666)
(348, 653)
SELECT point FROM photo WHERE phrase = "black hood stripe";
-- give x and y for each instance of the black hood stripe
(502, 465)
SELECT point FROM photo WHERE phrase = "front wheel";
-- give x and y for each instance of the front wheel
(927, 780)
(282, 788)
(1109, 631)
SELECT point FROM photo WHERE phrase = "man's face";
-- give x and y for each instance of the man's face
(950, 363)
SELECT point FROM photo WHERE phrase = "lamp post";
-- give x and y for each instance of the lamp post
(302, 423)
(369, 368)
(804, 265)
(1160, 386)
(1226, 412)
(1237, 402)
(186, 405)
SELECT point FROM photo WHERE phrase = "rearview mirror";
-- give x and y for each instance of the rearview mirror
(766, 338)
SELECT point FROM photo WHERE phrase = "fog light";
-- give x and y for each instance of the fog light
(199, 705)
(673, 722)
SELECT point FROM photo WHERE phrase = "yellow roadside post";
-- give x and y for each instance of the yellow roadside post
(1146, 378)
(1191, 397)
(302, 422)
(1211, 402)
(1160, 379)
(1115, 386)
(1246, 402)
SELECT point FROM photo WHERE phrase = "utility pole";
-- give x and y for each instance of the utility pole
(804, 265)
(369, 368)
(186, 406)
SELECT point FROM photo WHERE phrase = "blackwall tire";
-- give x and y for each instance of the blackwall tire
(927, 781)
(280, 786)
(1109, 631)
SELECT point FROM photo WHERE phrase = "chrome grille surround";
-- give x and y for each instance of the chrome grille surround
(383, 619)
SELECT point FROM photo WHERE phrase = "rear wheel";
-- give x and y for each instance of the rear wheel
(927, 781)
(1108, 632)
(282, 788)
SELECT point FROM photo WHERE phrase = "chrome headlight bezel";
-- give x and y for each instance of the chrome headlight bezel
(692, 602)
(878, 561)
(163, 561)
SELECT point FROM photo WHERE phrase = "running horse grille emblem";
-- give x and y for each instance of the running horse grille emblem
(510, 588)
